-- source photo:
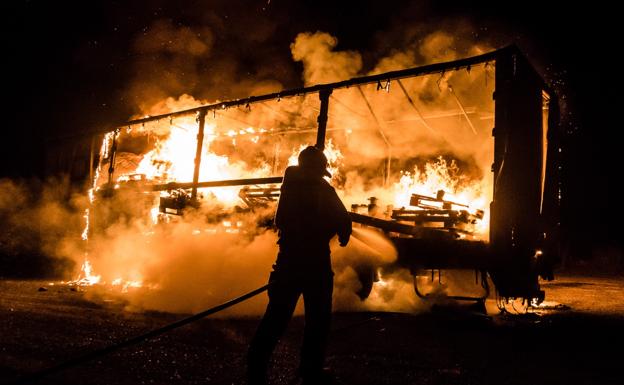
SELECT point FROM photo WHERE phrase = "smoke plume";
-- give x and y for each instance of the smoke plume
(35, 218)
(190, 262)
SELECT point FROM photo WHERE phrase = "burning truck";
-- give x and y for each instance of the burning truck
(455, 163)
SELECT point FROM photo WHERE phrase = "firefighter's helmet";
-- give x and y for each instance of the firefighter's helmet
(311, 158)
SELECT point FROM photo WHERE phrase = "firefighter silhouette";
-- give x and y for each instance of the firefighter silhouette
(309, 215)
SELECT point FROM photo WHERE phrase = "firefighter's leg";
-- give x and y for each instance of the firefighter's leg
(283, 298)
(317, 297)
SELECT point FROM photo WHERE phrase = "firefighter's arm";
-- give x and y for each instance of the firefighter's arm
(344, 233)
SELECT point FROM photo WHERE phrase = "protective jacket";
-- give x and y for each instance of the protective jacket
(309, 214)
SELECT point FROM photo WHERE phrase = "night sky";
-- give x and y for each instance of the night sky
(71, 67)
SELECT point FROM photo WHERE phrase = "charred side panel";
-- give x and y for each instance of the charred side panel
(550, 216)
(515, 228)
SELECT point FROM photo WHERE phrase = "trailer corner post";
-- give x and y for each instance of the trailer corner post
(112, 157)
(201, 119)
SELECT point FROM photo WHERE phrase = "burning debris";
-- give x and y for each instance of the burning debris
(86, 276)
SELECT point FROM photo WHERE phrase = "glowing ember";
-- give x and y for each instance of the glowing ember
(87, 277)
(125, 285)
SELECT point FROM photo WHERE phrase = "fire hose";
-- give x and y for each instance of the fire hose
(30, 378)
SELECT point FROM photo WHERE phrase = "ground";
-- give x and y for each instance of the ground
(576, 338)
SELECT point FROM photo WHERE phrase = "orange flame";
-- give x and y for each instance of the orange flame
(86, 277)
(441, 175)
(332, 153)
(173, 160)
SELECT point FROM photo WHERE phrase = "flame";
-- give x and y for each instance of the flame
(331, 151)
(438, 175)
(126, 284)
(442, 175)
(85, 232)
(86, 277)
(173, 160)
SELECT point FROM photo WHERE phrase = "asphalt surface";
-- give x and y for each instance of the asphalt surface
(575, 337)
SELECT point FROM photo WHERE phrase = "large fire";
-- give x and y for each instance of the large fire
(380, 153)
(172, 160)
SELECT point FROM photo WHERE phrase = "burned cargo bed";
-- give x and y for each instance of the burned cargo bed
(507, 142)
